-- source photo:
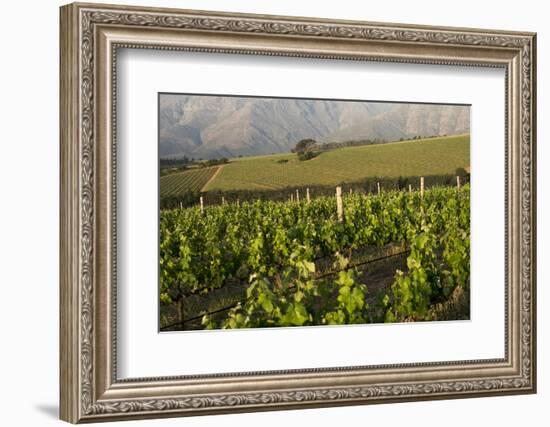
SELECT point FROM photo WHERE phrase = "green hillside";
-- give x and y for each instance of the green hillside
(432, 156)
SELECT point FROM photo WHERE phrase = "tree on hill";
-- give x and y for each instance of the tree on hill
(304, 145)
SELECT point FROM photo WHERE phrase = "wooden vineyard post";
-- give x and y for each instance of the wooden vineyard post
(307, 195)
(422, 186)
(410, 188)
(339, 204)
(202, 205)
(458, 182)
(378, 187)
(291, 197)
(297, 196)
(181, 205)
(223, 200)
(350, 191)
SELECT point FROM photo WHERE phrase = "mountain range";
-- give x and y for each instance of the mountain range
(207, 127)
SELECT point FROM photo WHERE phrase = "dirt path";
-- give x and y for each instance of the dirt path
(212, 178)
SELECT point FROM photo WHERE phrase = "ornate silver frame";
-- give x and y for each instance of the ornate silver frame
(90, 36)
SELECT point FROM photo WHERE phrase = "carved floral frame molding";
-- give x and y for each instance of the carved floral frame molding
(90, 37)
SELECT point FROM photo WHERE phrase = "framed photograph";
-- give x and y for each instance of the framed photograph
(261, 225)
(266, 212)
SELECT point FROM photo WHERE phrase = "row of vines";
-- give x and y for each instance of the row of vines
(296, 260)
(181, 182)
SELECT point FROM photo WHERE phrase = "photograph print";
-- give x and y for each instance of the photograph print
(282, 212)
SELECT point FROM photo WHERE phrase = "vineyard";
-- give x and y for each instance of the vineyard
(394, 257)
(190, 180)
(423, 157)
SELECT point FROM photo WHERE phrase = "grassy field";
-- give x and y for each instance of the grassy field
(426, 157)
(408, 158)
(193, 179)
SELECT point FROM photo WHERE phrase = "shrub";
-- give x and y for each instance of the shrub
(308, 155)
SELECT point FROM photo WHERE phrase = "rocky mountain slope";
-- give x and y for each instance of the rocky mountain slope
(215, 126)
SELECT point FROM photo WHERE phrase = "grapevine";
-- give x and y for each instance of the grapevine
(294, 261)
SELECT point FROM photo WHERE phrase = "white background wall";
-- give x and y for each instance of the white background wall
(29, 171)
